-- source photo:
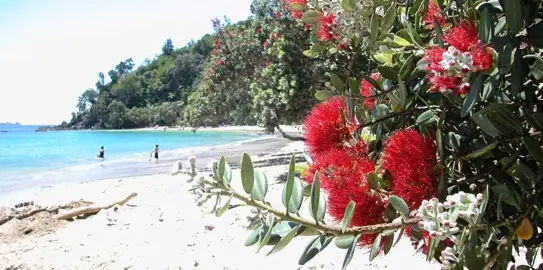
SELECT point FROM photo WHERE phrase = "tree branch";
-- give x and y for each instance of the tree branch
(327, 229)
(287, 136)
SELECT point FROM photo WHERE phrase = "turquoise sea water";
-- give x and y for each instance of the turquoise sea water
(28, 156)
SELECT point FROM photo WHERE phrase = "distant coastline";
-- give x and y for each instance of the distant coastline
(290, 129)
(9, 124)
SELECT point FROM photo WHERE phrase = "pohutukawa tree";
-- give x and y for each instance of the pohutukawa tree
(430, 129)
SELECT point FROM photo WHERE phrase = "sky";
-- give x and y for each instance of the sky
(51, 51)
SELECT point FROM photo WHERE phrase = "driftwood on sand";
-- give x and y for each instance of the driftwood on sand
(92, 209)
(76, 208)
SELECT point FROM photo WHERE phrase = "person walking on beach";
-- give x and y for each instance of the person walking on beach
(102, 152)
(155, 152)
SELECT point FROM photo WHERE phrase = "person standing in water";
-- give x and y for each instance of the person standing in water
(155, 152)
(102, 152)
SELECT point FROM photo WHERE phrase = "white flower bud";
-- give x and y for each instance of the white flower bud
(192, 160)
(420, 53)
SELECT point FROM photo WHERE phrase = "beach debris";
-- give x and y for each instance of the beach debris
(177, 168)
(7, 214)
(93, 209)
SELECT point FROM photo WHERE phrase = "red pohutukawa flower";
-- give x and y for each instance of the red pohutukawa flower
(365, 91)
(448, 69)
(410, 158)
(325, 129)
(296, 13)
(327, 25)
(343, 176)
(434, 12)
(369, 209)
(338, 169)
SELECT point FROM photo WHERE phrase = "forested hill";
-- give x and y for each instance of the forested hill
(251, 72)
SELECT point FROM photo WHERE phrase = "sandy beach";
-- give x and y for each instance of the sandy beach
(162, 228)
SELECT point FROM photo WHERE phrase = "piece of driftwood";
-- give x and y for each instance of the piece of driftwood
(92, 209)
(51, 209)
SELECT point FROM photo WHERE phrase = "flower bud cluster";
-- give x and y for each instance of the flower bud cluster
(440, 219)
(202, 196)
(448, 258)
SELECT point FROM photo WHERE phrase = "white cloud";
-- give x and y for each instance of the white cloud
(51, 51)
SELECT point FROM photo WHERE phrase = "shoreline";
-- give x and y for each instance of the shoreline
(137, 164)
(163, 228)
(129, 168)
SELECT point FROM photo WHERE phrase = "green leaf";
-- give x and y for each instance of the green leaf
(426, 118)
(289, 186)
(296, 198)
(375, 247)
(336, 82)
(260, 187)
(374, 30)
(349, 5)
(310, 53)
(321, 208)
(536, 69)
(387, 243)
(264, 240)
(311, 17)
(224, 207)
(224, 172)
(486, 30)
(535, 119)
(521, 172)
(285, 240)
(400, 235)
(350, 252)
(434, 243)
(388, 72)
(439, 33)
(535, 34)
(298, 7)
(314, 247)
(220, 171)
(324, 95)
(390, 17)
(247, 173)
(534, 148)
(481, 152)
(484, 124)
(492, 84)
(253, 237)
(407, 67)
(402, 94)
(513, 14)
(503, 191)
(399, 204)
(344, 241)
(501, 117)
(505, 58)
(518, 73)
(473, 96)
(348, 216)
(373, 180)
(484, 203)
(317, 203)
(383, 58)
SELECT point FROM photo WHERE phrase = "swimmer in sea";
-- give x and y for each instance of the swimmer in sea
(155, 152)
(102, 152)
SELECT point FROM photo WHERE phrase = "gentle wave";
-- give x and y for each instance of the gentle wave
(87, 167)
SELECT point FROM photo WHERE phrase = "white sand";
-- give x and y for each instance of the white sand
(285, 128)
(164, 229)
